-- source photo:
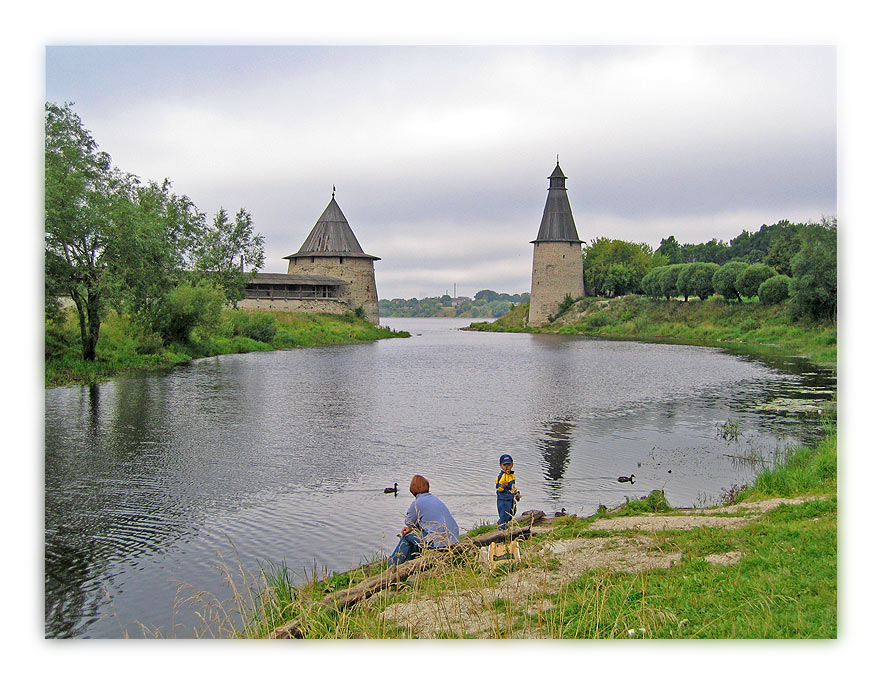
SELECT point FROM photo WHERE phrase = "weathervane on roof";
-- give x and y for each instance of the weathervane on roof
(333, 190)
(558, 158)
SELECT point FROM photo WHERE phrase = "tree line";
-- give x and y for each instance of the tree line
(113, 241)
(785, 262)
(485, 304)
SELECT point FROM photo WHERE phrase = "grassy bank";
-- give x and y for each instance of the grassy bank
(755, 568)
(712, 322)
(124, 348)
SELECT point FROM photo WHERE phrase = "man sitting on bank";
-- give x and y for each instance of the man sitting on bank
(428, 524)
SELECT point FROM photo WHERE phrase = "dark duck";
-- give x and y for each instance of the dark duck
(391, 490)
(623, 478)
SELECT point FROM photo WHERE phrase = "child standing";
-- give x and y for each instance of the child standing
(506, 491)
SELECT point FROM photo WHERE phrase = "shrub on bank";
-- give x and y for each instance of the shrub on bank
(258, 325)
(187, 307)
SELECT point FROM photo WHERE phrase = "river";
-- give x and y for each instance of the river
(157, 485)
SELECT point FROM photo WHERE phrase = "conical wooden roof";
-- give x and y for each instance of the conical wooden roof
(331, 236)
(557, 220)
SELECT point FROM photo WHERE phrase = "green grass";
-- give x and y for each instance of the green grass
(123, 348)
(784, 586)
(746, 325)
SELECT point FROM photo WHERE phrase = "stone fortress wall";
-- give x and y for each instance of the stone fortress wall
(358, 272)
(330, 306)
(557, 272)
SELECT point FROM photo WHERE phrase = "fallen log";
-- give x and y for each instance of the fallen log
(522, 527)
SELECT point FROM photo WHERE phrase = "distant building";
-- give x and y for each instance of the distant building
(557, 255)
(330, 273)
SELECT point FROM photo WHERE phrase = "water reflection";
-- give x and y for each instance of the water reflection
(555, 451)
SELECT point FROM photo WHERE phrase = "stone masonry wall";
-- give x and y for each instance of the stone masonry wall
(331, 306)
(557, 272)
(361, 287)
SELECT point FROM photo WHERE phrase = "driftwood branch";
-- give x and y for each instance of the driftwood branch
(522, 527)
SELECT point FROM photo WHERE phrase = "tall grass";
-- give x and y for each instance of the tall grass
(803, 471)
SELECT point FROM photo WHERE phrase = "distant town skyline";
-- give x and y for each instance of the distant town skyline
(440, 155)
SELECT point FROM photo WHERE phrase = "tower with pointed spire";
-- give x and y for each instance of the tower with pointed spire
(557, 255)
(331, 251)
(330, 273)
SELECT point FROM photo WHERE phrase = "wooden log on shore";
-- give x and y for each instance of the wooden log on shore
(522, 527)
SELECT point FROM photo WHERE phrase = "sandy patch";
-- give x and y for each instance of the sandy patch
(754, 507)
(728, 558)
(658, 523)
(699, 517)
(464, 612)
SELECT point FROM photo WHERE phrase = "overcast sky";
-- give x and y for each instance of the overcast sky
(440, 155)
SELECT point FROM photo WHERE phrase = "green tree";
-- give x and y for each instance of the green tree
(748, 283)
(488, 295)
(774, 290)
(813, 288)
(615, 267)
(229, 253)
(712, 251)
(82, 197)
(161, 230)
(670, 248)
(650, 283)
(784, 245)
(725, 278)
(697, 279)
(667, 280)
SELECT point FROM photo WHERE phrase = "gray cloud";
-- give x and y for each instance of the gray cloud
(440, 155)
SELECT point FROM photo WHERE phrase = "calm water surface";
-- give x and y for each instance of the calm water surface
(154, 483)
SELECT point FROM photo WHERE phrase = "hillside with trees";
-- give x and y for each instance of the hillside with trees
(485, 304)
(792, 263)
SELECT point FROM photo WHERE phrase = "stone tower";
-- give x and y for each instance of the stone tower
(557, 255)
(331, 251)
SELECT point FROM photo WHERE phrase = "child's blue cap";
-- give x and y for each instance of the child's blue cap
(505, 458)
